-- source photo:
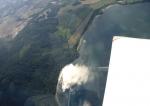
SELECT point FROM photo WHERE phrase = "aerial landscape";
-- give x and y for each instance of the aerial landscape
(39, 38)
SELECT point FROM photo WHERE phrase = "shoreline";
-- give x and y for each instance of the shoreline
(98, 11)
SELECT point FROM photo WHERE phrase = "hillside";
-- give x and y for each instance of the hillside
(31, 61)
(15, 14)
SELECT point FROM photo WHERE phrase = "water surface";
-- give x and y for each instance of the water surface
(125, 20)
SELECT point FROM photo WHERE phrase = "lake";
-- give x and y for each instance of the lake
(123, 20)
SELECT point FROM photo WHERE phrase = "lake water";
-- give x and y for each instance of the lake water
(125, 20)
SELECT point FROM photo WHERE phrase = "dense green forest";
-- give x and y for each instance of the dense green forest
(34, 55)
(31, 62)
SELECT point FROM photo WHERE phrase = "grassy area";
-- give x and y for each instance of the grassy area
(70, 18)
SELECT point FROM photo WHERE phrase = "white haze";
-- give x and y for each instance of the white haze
(75, 75)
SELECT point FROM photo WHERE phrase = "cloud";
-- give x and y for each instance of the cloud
(74, 75)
